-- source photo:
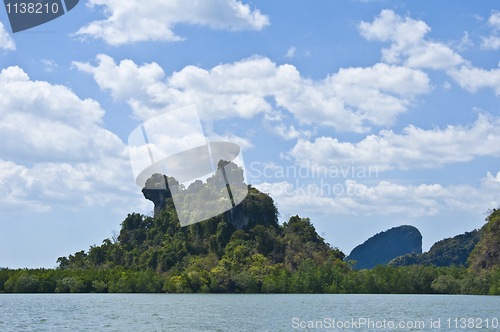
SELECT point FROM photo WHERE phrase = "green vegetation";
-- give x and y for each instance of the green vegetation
(447, 252)
(486, 254)
(329, 277)
(384, 246)
(153, 255)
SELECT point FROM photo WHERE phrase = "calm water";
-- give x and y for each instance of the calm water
(235, 312)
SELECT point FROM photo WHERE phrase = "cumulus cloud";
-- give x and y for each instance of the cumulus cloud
(130, 21)
(492, 178)
(72, 186)
(54, 150)
(492, 42)
(39, 121)
(353, 198)
(408, 42)
(473, 78)
(414, 148)
(124, 81)
(6, 42)
(385, 198)
(410, 47)
(344, 100)
(289, 133)
(14, 187)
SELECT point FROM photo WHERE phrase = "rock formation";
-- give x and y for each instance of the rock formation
(385, 246)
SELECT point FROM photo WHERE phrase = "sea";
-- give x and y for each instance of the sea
(252, 312)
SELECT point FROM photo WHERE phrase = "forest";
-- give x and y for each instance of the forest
(155, 255)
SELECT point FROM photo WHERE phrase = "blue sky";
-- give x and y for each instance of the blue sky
(409, 89)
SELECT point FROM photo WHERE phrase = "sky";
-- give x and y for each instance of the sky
(360, 115)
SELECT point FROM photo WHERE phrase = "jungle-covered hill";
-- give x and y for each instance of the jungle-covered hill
(478, 249)
(447, 252)
(162, 245)
(486, 254)
(158, 255)
(216, 254)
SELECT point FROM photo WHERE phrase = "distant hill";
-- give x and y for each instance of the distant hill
(385, 246)
(446, 252)
(486, 254)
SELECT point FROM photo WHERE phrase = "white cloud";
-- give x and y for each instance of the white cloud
(291, 52)
(284, 131)
(40, 121)
(465, 42)
(414, 148)
(243, 143)
(54, 152)
(130, 21)
(472, 78)
(492, 42)
(446, 85)
(289, 133)
(385, 198)
(49, 65)
(70, 186)
(344, 100)
(380, 92)
(6, 42)
(125, 81)
(478, 17)
(410, 47)
(492, 178)
(408, 43)
(14, 185)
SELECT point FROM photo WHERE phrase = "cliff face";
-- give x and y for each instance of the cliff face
(250, 209)
(256, 209)
(237, 217)
(385, 246)
(486, 254)
(158, 197)
(446, 252)
(157, 190)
